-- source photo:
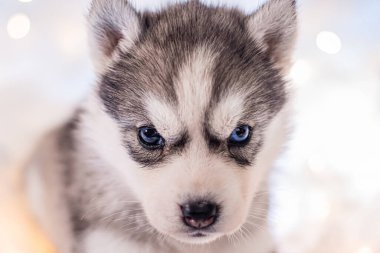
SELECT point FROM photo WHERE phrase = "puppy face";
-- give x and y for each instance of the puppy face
(192, 96)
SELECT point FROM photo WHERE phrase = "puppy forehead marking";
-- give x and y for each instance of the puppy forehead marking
(226, 114)
(193, 86)
(163, 116)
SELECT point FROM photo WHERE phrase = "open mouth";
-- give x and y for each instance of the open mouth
(198, 235)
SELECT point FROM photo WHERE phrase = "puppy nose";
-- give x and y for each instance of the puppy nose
(201, 214)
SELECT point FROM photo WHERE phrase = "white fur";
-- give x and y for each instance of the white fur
(106, 241)
(195, 173)
(164, 117)
(193, 86)
(101, 135)
(226, 115)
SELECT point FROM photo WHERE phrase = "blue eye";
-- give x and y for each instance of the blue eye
(150, 138)
(241, 135)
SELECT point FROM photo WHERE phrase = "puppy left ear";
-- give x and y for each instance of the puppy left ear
(274, 27)
(113, 25)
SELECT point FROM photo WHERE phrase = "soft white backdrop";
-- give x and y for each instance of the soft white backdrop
(327, 194)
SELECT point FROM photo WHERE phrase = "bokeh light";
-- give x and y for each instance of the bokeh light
(18, 26)
(301, 72)
(365, 250)
(329, 42)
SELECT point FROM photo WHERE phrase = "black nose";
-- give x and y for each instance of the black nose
(201, 214)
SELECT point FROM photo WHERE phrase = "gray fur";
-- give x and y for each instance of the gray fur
(166, 41)
(140, 54)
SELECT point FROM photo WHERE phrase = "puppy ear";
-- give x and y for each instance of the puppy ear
(113, 25)
(274, 27)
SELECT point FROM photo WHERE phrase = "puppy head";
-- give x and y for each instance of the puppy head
(190, 100)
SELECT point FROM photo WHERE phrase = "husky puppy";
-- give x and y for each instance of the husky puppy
(171, 151)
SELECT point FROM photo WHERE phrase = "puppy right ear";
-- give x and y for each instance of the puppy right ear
(113, 25)
(274, 28)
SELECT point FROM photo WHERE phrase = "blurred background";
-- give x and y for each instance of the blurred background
(326, 186)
